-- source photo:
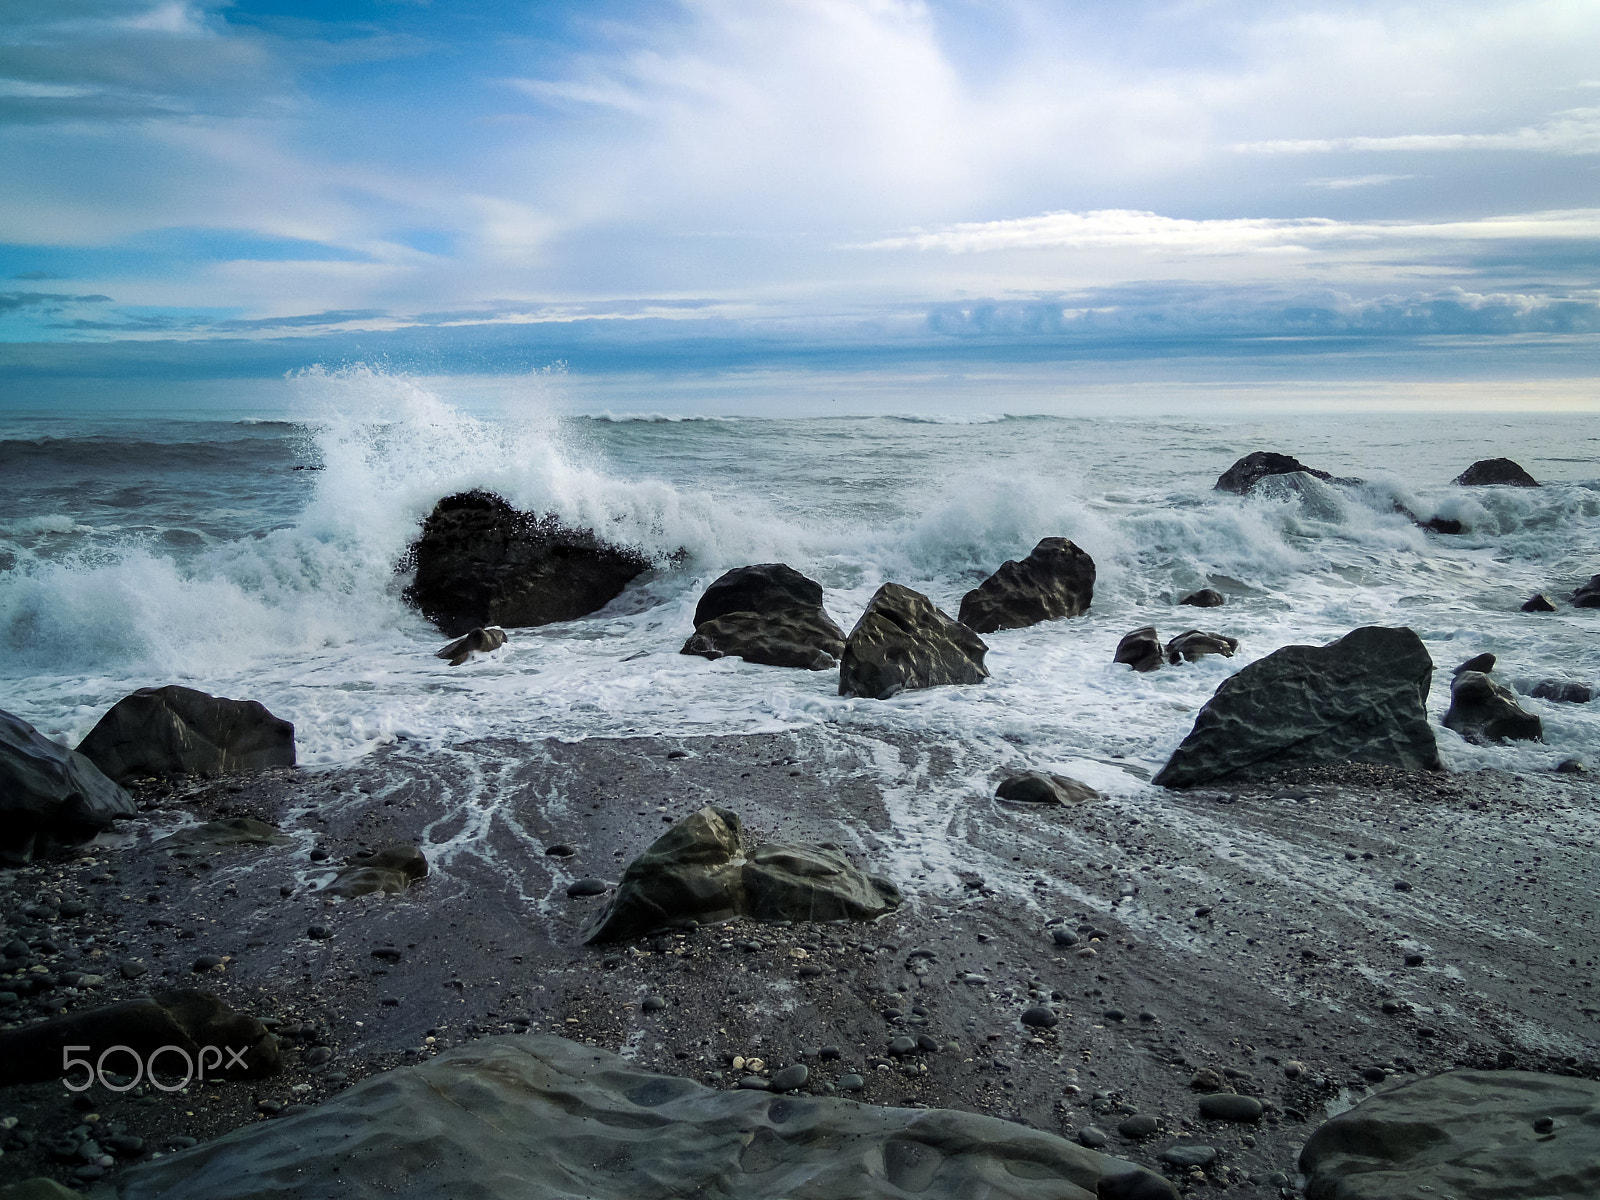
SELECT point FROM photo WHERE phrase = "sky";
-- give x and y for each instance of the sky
(246, 188)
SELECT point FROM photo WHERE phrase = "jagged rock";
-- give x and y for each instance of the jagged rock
(480, 562)
(1478, 662)
(763, 588)
(1495, 470)
(1538, 602)
(1204, 598)
(1194, 644)
(182, 1018)
(1253, 468)
(1055, 580)
(228, 831)
(1039, 787)
(531, 1116)
(903, 642)
(1483, 711)
(1562, 691)
(701, 870)
(474, 641)
(50, 795)
(178, 731)
(392, 869)
(1140, 649)
(1474, 1135)
(769, 614)
(1588, 596)
(1359, 699)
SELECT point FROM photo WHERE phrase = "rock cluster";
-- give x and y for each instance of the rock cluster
(903, 642)
(1055, 580)
(180, 731)
(769, 614)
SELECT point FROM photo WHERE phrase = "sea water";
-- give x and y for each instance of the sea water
(260, 559)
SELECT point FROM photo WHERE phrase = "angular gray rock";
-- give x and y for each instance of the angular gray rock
(702, 870)
(1253, 468)
(1495, 470)
(1588, 596)
(392, 869)
(1482, 711)
(1140, 649)
(1467, 1134)
(474, 641)
(1039, 787)
(769, 614)
(1478, 662)
(903, 642)
(1055, 580)
(480, 562)
(533, 1116)
(1359, 699)
(180, 731)
(1204, 598)
(50, 795)
(1193, 645)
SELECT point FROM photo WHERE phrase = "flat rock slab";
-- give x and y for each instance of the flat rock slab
(1510, 1135)
(531, 1117)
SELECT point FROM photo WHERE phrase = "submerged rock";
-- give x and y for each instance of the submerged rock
(474, 641)
(1193, 645)
(1483, 711)
(769, 614)
(1538, 602)
(1315, 498)
(180, 731)
(517, 1117)
(1253, 468)
(1359, 699)
(1055, 580)
(1204, 598)
(1495, 470)
(1039, 787)
(228, 831)
(1140, 649)
(50, 795)
(701, 870)
(481, 562)
(1475, 1135)
(1588, 596)
(903, 642)
(392, 869)
(1562, 691)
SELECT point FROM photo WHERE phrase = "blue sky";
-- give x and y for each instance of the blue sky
(248, 187)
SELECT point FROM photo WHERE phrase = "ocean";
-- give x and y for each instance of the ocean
(256, 557)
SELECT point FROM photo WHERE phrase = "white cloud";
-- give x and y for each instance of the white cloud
(1344, 182)
(1574, 132)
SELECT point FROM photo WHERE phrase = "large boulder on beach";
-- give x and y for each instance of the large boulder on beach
(904, 642)
(1250, 470)
(519, 1117)
(1474, 1135)
(769, 614)
(181, 1018)
(1588, 596)
(1487, 471)
(1055, 580)
(1483, 711)
(50, 795)
(702, 870)
(480, 562)
(180, 731)
(1360, 699)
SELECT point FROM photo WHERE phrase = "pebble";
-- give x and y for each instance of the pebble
(1091, 1137)
(903, 1045)
(319, 933)
(790, 1078)
(560, 850)
(1088, 952)
(73, 908)
(1544, 1125)
(754, 1083)
(1293, 1069)
(1207, 1080)
(1226, 1106)
(809, 971)
(653, 1003)
(927, 1044)
(1414, 960)
(851, 1083)
(208, 962)
(1400, 885)
(829, 1052)
(318, 1055)
(387, 953)
(271, 1107)
(1374, 1074)
(586, 887)
(1039, 1017)
(1141, 1125)
(1115, 1014)
(1189, 1155)
(318, 854)
(1064, 937)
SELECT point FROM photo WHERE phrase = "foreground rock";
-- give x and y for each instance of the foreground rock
(1359, 699)
(903, 642)
(1253, 468)
(769, 614)
(1055, 580)
(481, 562)
(239, 1046)
(392, 869)
(509, 1118)
(474, 641)
(701, 870)
(180, 731)
(1194, 645)
(1474, 1135)
(1140, 649)
(1482, 711)
(50, 795)
(1488, 471)
(1588, 596)
(1039, 787)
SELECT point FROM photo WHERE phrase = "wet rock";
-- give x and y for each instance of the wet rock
(1562, 691)
(1225, 1106)
(1039, 1017)
(702, 869)
(1588, 596)
(228, 831)
(392, 869)
(1359, 699)
(1444, 525)
(1478, 662)
(1135, 1184)
(474, 641)
(851, 1082)
(1487, 471)
(1250, 470)
(769, 614)
(1482, 711)
(1207, 1080)
(1572, 766)
(480, 562)
(1193, 644)
(1538, 602)
(1138, 1126)
(790, 1078)
(902, 1046)
(49, 795)
(180, 731)
(903, 642)
(1092, 1137)
(1140, 649)
(1038, 787)
(1467, 1134)
(590, 886)
(1188, 1154)
(1056, 580)
(1204, 598)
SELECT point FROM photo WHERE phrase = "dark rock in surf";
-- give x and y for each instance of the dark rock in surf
(1193, 645)
(474, 641)
(1359, 699)
(1444, 525)
(1140, 649)
(480, 562)
(49, 795)
(1253, 468)
(1482, 711)
(769, 614)
(1464, 1133)
(1478, 662)
(1489, 471)
(392, 869)
(180, 731)
(1588, 596)
(1204, 598)
(1538, 602)
(702, 870)
(1055, 580)
(1039, 787)
(1562, 691)
(903, 642)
